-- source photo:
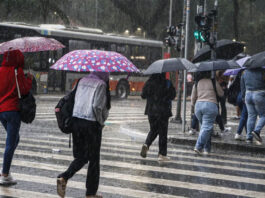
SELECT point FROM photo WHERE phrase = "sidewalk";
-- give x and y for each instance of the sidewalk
(224, 142)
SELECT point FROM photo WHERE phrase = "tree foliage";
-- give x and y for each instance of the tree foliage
(243, 20)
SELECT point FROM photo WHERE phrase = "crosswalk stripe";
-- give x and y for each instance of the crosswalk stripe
(12, 192)
(117, 146)
(146, 167)
(102, 188)
(203, 164)
(126, 177)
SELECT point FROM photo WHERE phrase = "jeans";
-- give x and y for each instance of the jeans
(195, 122)
(86, 147)
(158, 126)
(243, 119)
(206, 113)
(11, 122)
(255, 107)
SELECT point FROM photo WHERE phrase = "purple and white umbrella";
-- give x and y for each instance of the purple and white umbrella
(234, 72)
(94, 60)
(31, 44)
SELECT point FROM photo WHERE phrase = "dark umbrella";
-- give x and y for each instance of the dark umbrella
(215, 65)
(225, 49)
(168, 65)
(255, 61)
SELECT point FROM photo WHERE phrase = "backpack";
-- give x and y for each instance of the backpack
(233, 91)
(64, 116)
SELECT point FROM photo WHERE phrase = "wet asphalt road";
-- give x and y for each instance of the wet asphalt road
(43, 153)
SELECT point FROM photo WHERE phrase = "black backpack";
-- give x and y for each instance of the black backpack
(234, 90)
(64, 116)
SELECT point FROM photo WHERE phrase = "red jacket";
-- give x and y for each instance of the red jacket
(8, 89)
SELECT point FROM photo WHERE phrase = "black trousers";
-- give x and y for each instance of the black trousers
(86, 147)
(158, 126)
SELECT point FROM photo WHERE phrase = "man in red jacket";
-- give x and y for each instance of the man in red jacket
(9, 108)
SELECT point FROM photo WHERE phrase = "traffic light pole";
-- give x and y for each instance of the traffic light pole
(177, 118)
(214, 33)
(185, 71)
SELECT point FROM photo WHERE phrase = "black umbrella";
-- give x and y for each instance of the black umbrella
(225, 49)
(168, 65)
(215, 65)
(255, 61)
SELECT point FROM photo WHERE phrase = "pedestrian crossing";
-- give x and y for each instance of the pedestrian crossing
(125, 174)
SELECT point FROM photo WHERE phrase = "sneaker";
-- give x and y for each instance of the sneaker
(163, 158)
(61, 186)
(94, 196)
(239, 137)
(197, 151)
(9, 180)
(256, 136)
(258, 143)
(144, 151)
(206, 153)
(193, 131)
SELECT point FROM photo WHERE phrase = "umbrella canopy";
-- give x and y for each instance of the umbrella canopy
(215, 65)
(256, 61)
(240, 62)
(168, 65)
(225, 49)
(31, 44)
(94, 60)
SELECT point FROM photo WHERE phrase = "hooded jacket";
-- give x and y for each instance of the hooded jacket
(8, 89)
(91, 98)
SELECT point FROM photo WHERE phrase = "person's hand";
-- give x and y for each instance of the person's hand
(57, 110)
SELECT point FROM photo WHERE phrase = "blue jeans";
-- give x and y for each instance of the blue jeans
(11, 122)
(255, 102)
(244, 114)
(206, 113)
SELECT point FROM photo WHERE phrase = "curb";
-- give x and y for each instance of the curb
(222, 145)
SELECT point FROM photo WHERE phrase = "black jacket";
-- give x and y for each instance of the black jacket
(159, 92)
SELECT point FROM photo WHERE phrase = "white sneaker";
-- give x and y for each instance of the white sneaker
(239, 137)
(9, 180)
(205, 153)
(191, 132)
(163, 158)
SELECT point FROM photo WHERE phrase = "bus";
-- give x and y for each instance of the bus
(142, 52)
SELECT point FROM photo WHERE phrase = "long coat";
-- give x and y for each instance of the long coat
(159, 92)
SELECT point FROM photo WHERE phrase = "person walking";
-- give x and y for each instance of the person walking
(244, 112)
(91, 107)
(253, 92)
(9, 106)
(204, 98)
(159, 93)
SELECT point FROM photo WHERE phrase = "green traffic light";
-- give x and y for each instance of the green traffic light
(197, 34)
(200, 36)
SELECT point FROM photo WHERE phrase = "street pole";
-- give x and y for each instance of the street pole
(170, 20)
(185, 71)
(214, 33)
(177, 118)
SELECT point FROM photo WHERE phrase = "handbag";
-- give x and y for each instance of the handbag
(27, 105)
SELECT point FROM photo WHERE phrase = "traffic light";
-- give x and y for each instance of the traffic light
(172, 40)
(204, 23)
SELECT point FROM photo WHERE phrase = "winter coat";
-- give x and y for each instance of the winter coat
(159, 92)
(8, 89)
(91, 99)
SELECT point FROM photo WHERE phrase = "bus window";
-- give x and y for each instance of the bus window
(75, 45)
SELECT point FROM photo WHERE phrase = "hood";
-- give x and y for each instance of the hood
(102, 75)
(13, 58)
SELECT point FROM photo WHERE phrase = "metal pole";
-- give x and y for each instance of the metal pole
(185, 72)
(170, 20)
(177, 118)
